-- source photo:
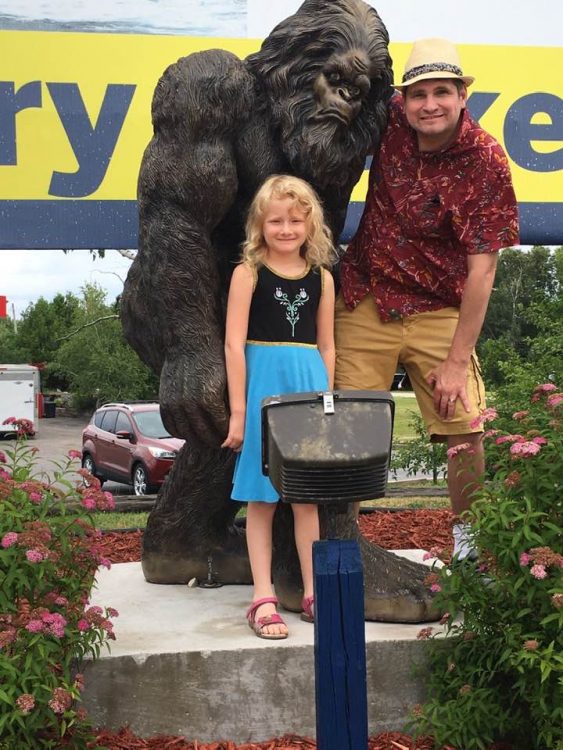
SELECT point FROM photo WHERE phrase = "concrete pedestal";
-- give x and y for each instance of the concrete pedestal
(185, 662)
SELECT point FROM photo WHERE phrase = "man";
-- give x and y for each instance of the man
(417, 277)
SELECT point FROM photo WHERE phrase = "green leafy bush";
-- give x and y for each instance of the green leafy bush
(419, 454)
(499, 677)
(49, 552)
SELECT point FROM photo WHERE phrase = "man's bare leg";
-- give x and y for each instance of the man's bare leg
(465, 477)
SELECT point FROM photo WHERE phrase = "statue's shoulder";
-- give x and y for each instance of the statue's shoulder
(208, 86)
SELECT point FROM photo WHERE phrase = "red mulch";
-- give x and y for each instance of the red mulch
(122, 546)
(408, 529)
(125, 740)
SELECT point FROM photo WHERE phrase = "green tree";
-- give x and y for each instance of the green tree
(96, 360)
(10, 350)
(42, 324)
(522, 327)
(522, 279)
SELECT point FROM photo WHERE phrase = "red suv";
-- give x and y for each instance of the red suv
(128, 443)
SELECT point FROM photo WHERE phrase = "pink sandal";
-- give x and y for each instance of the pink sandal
(307, 606)
(259, 623)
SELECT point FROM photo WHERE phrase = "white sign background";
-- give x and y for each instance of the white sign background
(511, 22)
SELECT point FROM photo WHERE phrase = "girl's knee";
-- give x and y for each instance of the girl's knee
(304, 509)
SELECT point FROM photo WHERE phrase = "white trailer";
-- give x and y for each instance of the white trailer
(19, 388)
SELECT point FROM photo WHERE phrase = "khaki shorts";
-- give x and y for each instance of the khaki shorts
(368, 352)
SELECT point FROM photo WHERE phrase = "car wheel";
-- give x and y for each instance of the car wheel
(89, 464)
(140, 480)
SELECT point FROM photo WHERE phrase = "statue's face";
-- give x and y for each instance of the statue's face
(341, 86)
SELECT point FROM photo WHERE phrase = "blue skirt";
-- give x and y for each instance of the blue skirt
(271, 370)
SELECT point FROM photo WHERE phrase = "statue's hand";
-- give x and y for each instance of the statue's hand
(193, 396)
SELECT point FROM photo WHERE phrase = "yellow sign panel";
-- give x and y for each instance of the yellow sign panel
(75, 119)
(91, 62)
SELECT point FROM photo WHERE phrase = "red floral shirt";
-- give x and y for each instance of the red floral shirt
(424, 213)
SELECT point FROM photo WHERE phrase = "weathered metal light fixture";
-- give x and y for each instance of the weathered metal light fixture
(328, 448)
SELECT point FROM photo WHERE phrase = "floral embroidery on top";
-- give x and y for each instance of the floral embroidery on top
(292, 313)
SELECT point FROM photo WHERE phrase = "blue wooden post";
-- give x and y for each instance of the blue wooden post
(340, 646)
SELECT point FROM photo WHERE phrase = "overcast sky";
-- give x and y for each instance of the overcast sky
(27, 275)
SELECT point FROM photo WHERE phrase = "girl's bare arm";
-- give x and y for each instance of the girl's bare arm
(238, 308)
(325, 326)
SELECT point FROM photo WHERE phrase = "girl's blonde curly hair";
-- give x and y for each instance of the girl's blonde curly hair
(318, 248)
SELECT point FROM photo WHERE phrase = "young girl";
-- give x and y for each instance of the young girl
(279, 339)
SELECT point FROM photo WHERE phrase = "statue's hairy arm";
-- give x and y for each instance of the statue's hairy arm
(187, 184)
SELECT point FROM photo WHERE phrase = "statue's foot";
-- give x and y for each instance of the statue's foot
(214, 568)
(178, 553)
(289, 592)
(191, 531)
(394, 587)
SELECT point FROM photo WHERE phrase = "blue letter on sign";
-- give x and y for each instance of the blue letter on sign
(519, 132)
(92, 146)
(480, 102)
(10, 104)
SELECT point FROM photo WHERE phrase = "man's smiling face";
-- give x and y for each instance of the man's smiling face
(433, 109)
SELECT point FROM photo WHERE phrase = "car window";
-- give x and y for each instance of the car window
(108, 420)
(98, 417)
(123, 423)
(150, 424)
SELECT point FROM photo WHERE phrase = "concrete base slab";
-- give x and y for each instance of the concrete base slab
(185, 662)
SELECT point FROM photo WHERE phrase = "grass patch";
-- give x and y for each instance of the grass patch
(408, 503)
(408, 484)
(405, 403)
(120, 520)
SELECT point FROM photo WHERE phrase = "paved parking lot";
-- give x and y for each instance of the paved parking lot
(55, 438)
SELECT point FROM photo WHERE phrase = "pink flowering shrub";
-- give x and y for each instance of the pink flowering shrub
(22, 427)
(499, 677)
(49, 553)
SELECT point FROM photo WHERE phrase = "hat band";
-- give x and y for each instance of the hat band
(440, 67)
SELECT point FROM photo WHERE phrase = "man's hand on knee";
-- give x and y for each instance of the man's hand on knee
(449, 383)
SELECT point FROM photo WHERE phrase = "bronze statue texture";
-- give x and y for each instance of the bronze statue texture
(311, 102)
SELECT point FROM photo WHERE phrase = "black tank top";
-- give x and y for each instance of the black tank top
(284, 309)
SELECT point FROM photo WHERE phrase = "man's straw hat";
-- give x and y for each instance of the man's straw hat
(432, 58)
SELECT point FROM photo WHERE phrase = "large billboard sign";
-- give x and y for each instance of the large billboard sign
(76, 84)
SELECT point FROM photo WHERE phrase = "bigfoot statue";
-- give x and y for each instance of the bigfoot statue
(311, 102)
